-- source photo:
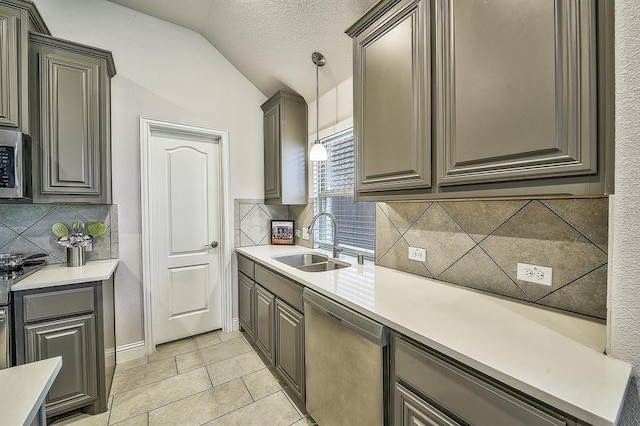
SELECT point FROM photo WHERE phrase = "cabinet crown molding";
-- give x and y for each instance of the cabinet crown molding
(71, 46)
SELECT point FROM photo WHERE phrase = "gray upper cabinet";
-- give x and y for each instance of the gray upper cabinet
(510, 98)
(9, 104)
(71, 128)
(515, 90)
(285, 149)
(17, 18)
(392, 98)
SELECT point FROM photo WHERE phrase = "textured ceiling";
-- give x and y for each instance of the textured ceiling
(271, 41)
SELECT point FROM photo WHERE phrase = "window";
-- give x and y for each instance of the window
(333, 188)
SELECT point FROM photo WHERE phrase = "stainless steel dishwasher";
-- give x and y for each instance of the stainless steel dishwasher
(347, 359)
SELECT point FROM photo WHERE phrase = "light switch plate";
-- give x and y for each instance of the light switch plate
(305, 233)
(297, 233)
(535, 274)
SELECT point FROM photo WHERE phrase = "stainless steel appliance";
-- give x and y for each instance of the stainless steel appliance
(8, 277)
(15, 164)
(347, 359)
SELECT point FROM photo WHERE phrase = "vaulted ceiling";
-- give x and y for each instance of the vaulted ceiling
(271, 41)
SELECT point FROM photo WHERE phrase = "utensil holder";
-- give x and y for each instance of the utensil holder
(76, 256)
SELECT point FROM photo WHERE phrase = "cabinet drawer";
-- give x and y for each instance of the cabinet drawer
(465, 395)
(246, 266)
(283, 288)
(58, 303)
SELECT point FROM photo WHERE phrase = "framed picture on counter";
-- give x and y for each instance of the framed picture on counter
(282, 232)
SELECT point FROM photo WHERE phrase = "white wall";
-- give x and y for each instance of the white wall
(169, 73)
(336, 110)
(625, 284)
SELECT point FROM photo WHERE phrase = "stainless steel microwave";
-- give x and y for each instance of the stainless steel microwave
(15, 164)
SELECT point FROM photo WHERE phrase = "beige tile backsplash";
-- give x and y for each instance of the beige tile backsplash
(252, 219)
(477, 244)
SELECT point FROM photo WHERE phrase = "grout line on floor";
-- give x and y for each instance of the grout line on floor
(206, 365)
(247, 388)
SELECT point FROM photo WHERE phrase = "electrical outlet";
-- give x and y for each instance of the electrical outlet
(535, 274)
(305, 233)
(297, 233)
(418, 254)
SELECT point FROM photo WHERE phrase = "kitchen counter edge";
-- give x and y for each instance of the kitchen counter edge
(24, 389)
(59, 274)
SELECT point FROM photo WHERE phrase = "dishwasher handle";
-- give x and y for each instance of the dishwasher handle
(371, 330)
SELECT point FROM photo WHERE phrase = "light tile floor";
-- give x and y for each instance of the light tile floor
(214, 378)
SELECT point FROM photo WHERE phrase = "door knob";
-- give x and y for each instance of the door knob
(213, 245)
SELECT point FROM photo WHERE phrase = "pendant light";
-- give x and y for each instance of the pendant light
(318, 151)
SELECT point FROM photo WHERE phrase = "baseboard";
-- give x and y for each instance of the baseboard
(235, 324)
(130, 351)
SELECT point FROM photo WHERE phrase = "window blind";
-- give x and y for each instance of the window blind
(333, 187)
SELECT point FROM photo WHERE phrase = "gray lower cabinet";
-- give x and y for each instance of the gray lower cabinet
(17, 19)
(245, 303)
(74, 340)
(411, 410)
(392, 86)
(77, 323)
(285, 149)
(290, 346)
(270, 312)
(70, 87)
(264, 331)
(431, 389)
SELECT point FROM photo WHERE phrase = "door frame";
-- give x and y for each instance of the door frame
(147, 126)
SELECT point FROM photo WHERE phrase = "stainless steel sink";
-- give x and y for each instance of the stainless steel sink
(329, 265)
(311, 262)
(297, 260)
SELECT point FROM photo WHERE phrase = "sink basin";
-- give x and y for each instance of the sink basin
(311, 262)
(328, 265)
(297, 260)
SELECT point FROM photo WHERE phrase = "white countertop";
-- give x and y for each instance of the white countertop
(61, 274)
(23, 389)
(556, 358)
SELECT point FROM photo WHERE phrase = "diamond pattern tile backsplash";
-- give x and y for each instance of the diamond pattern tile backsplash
(26, 228)
(477, 244)
(252, 219)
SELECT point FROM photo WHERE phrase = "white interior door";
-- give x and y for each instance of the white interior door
(184, 195)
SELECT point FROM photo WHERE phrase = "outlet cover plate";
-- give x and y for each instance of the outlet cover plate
(535, 274)
(418, 254)
(305, 233)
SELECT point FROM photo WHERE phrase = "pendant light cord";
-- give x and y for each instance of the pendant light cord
(317, 104)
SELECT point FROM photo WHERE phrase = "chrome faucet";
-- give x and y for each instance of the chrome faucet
(336, 248)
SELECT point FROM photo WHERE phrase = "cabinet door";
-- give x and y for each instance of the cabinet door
(245, 303)
(411, 410)
(70, 124)
(73, 339)
(264, 332)
(9, 115)
(272, 181)
(516, 90)
(392, 92)
(290, 346)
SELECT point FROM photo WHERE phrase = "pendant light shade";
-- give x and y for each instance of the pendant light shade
(318, 151)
